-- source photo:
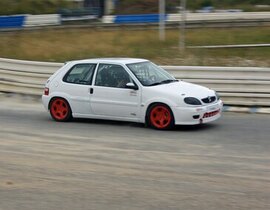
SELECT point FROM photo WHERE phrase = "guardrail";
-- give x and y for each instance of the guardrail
(243, 86)
(20, 21)
(190, 17)
(42, 20)
(221, 16)
(229, 46)
(145, 18)
(15, 21)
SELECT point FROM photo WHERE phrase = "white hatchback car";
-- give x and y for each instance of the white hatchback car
(127, 89)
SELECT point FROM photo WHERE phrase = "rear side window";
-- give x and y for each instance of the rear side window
(80, 74)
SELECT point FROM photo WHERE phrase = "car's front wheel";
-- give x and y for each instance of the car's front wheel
(60, 110)
(160, 117)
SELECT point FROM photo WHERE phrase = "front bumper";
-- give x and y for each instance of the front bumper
(197, 115)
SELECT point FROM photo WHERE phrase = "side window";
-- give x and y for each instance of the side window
(110, 75)
(80, 74)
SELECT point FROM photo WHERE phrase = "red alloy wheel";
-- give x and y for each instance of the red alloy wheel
(161, 117)
(60, 110)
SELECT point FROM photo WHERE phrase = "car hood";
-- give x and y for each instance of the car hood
(185, 89)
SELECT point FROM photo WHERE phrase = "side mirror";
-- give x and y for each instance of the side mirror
(132, 86)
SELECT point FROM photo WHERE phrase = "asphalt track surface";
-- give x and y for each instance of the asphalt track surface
(92, 164)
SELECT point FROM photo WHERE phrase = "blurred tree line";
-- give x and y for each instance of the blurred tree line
(151, 6)
(9, 7)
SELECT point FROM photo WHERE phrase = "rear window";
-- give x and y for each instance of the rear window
(80, 74)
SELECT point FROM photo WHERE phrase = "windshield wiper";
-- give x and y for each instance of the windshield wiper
(164, 82)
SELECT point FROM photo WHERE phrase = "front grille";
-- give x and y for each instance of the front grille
(209, 99)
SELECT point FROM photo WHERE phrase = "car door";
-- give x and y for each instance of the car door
(110, 96)
(76, 85)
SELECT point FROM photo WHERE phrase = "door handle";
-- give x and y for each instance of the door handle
(91, 90)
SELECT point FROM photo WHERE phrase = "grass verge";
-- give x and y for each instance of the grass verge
(60, 45)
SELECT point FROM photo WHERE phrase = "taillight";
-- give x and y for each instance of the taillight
(46, 91)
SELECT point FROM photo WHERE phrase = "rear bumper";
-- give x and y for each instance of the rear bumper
(45, 101)
(197, 115)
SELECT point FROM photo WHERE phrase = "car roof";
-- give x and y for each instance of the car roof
(111, 60)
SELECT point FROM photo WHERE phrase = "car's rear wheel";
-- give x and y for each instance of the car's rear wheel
(160, 117)
(60, 110)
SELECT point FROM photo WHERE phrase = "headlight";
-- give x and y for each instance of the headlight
(192, 101)
(217, 95)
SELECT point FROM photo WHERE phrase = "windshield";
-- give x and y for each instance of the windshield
(150, 74)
